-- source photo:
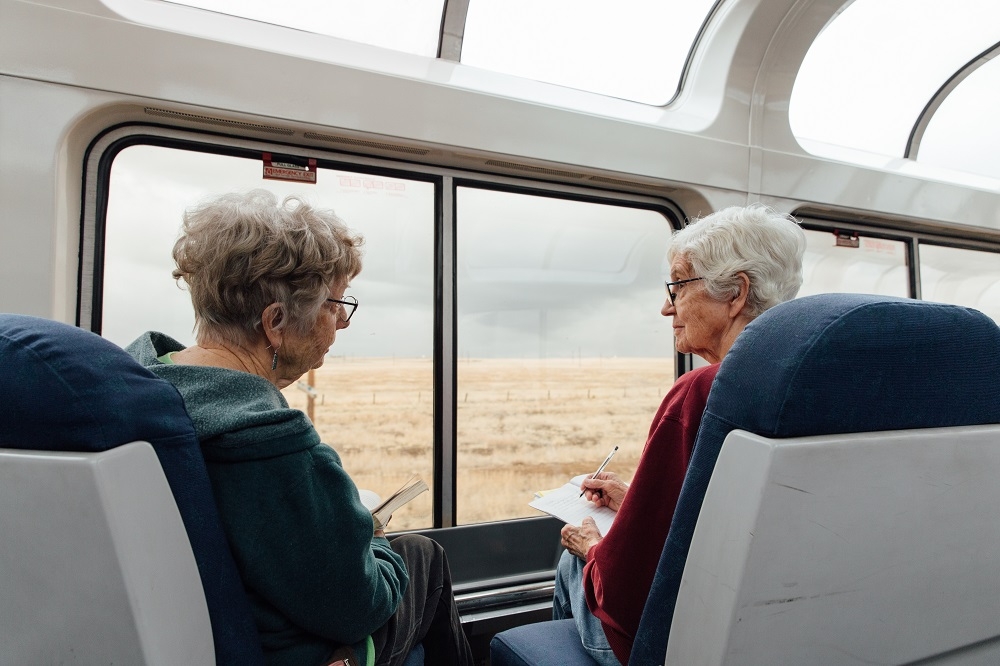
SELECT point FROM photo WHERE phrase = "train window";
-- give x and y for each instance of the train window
(962, 277)
(955, 138)
(874, 266)
(634, 49)
(562, 351)
(374, 393)
(403, 25)
(872, 70)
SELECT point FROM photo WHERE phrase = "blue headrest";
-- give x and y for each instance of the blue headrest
(66, 389)
(827, 364)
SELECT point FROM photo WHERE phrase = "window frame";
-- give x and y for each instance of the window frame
(103, 150)
(911, 232)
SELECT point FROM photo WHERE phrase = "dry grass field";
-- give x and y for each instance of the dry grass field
(523, 425)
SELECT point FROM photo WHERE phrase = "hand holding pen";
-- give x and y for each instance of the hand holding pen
(603, 465)
(605, 488)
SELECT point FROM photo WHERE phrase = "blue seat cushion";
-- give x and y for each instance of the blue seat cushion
(554, 643)
(66, 389)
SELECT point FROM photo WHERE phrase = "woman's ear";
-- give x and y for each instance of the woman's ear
(739, 301)
(272, 321)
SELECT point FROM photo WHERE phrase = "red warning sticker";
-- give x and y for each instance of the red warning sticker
(846, 238)
(297, 173)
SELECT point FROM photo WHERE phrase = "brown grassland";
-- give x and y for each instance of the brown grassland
(523, 425)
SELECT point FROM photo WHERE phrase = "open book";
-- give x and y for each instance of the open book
(566, 504)
(382, 510)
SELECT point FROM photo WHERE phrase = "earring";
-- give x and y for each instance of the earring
(274, 360)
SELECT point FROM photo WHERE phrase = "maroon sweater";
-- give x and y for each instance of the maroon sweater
(620, 568)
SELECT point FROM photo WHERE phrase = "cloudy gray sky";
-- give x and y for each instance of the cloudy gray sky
(536, 276)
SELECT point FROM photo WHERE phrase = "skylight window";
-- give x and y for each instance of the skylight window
(632, 49)
(963, 134)
(412, 26)
(870, 73)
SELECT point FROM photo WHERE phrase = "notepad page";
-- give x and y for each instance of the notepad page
(566, 504)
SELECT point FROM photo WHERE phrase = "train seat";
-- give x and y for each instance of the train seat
(819, 542)
(70, 391)
(97, 566)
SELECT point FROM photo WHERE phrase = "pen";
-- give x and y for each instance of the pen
(603, 465)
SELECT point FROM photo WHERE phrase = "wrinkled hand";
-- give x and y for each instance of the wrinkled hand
(605, 489)
(578, 540)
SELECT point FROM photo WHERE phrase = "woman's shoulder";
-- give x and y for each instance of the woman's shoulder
(236, 410)
(705, 373)
(698, 379)
(690, 391)
(237, 415)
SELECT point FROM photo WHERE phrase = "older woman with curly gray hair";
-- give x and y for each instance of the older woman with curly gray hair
(725, 270)
(267, 282)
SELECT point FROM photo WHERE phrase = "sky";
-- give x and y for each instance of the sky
(536, 276)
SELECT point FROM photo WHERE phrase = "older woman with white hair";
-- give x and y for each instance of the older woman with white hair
(268, 282)
(725, 270)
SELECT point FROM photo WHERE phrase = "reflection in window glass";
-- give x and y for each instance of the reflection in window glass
(962, 277)
(402, 25)
(962, 134)
(872, 70)
(374, 403)
(876, 266)
(563, 353)
(632, 49)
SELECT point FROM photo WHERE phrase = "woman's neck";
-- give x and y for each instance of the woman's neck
(729, 338)
(221, 355)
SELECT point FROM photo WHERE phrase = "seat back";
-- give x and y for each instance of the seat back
(830, 364)
(867, 548)
(66, 389)
(97, 567)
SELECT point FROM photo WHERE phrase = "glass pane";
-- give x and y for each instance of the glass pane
(374, 391)
(563, 353)
(869, 74)
(633, 49)
(412, 26)
(876, 266)
(963, 133)
(962, 277)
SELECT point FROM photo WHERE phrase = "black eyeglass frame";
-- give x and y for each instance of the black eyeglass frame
(353, 304)
(671, 293)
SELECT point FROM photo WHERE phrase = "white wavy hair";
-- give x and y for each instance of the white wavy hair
(755, 240)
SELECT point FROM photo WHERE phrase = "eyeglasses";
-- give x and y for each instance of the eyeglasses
(672, 292)
(347, 306)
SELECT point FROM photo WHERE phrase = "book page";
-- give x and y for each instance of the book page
(566, 504)
(369, 498)
(381, 513)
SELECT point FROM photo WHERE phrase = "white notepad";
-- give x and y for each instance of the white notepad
(566, 504)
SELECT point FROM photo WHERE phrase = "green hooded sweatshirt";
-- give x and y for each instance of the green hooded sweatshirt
(315, 575)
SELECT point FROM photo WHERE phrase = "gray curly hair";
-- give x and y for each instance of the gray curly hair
(239, 253)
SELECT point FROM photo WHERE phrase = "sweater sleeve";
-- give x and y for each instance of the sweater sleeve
(620, 568)
(305, 544)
